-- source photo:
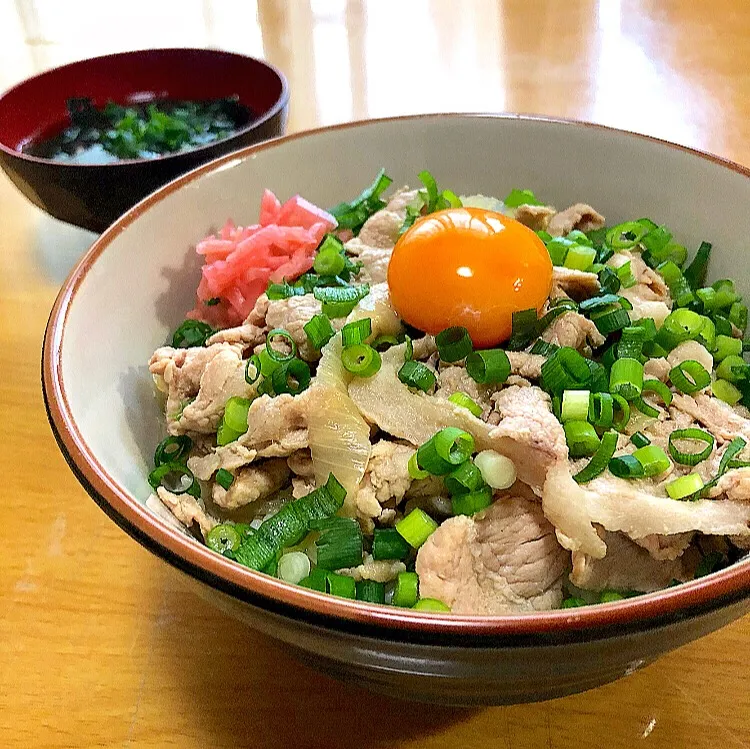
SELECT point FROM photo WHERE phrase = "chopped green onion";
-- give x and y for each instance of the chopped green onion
(565, 369)
(732, 368)
(599, 303)
(370, 591)
(558, 248)
(417, 375)
(340, 543)
(727, 392)
(694, 434)
(407, 588)
(645, 408)
(176, 478)
(581, 437)
(292, 377)
(489, 367)
(658, 387)
(649, 328)
(340, 298)
(224, 478)
(609, 281)
(387, 543)
(409, 352)
(679, 287)
(610, 596)
(623, 407)
(430, 604)
(575, 405)
(611, 320)
(352, 215)
(416, 527)
(726, 346)
(601, 410)
(414, 470)
(695, 273)
(173, 450)
(316, 580)
(626, 467)
(222, 538)
(276, 291)
(361, 360)
(471, 502)
(384, 342)
(736, 446)
(639, 439)
(580, 257)
(275, 354)
(466, 478)
(319, 331)
(329, 262)
(690, 376)
(225, 435)
(267, 365)
(684, 486)
(516, 198)
(738, 316)
(293, 567)
(680, 325)
(631, 342)
(723, 326)
(625, 275)
(463, 400)
(445, 450)
(626, 235)
(341, 585)
(626, 378)
(600, 460)
(235, 413)
(354, 333)
(253, 362)
(653, 459)
(572, 603)
(191, 333)
(498, 471)
(543, 348)
(453, 344)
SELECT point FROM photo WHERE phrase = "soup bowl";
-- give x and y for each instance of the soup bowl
(94, 195)
(103, 411)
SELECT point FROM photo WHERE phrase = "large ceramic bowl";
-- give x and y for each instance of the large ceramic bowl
(93, 196)
(139, 278)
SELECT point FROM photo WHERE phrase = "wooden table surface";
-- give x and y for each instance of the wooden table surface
(101, 644)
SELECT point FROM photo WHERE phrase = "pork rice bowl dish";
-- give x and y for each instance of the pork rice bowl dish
(458, 403)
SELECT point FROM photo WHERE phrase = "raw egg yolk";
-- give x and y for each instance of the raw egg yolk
(470, 267)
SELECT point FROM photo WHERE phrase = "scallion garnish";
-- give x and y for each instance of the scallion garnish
(626, 467)
(340, 543)
(356, 332)
(727, 392)
(415, 471)
(414, 374)
(639, 439)
(581, 437)
(361, 360)
(621, 407)
(352, 215)
(609, 281)
(341, 295)
(471, 502)
(223, 538)
(565, 369)
(466, 478)
(235, 413)
(732, 368)
(575, 405)
(252, 369)
(690, 376)
(680, 325)
(693, 434)
(726, 346)
(319, 331)
(453, 344)
(601, 411)
(176, 478)
(653, 459)
(516, 198)
(658, 387)
(406, 590)
(685, 486)
(370, 591)
(276, 354)
(463, 400)
(631, 342)
(191, 333)
(580, 257)
(600, 459)
(388, 543)
(695, 273)
(625, 275)
(679, 288)
(445, 450)
(488, 367)
(626, 378)
(224, 478)
(416, 527)
(173, 449)
(626, 235)
(738, 315)
(430, 604)
(291, 377)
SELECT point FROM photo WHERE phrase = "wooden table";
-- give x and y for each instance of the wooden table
(100, 642)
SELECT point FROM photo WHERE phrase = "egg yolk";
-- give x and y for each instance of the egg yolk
(470, 267)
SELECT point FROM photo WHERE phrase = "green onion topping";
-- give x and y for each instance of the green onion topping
(693, 434)
(600, 460)
(488, 367)
(416, 527)
(319, 331)
(463, 400)
(690, 376)
(417, 375)
(453, 344)
(361, 360)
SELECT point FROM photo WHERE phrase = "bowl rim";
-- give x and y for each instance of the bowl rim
(279, 104)
(715, 591)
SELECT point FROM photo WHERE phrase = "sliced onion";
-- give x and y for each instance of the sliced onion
(339, 437)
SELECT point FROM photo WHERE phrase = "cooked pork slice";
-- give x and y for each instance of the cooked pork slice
(688, 350)
(650, 295)
(187, 509)
(626, 567)
(230, 457)
(633, 507)
(386, 478)
(252, 483)
(374, 261)
(503, 560)
(382, 228)
(300, 464)
(734, 484)
(246, 335)
(277, 427)
(401, 200)
(291, 315)
(528, 366)
(576, 284)
(536, 217)
(379, 570)
(656, 369)
(453, 379)
(717, 417)
(666, 547)
(579, 216)
(574, 330)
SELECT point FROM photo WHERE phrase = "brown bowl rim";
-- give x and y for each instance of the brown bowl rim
(278, 106)
(715, 591)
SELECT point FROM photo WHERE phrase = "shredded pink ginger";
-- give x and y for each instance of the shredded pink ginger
(240, 261)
